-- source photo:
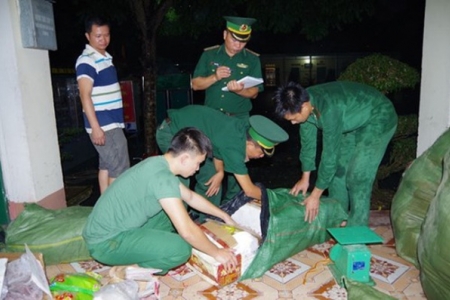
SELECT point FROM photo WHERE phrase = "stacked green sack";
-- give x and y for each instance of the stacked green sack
(416, 190)
(434, 241)
(287, 232)
(359, 291)
(54, 233)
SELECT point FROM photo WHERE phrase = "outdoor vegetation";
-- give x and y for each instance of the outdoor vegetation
(390, 76)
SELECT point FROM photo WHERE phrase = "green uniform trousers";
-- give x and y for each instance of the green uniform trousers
(233, 188)
(154, 245)
(359, 157)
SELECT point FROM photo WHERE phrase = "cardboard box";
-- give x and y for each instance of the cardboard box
(15, 255)
(11, 256)
(206, 266)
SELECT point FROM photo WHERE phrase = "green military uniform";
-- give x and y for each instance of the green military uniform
(228, 137)
(245, 63)
(128, 225)
(357, 123)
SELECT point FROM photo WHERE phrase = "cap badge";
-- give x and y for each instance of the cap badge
(244, 27)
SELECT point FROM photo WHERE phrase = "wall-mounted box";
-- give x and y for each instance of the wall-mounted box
(37, 24)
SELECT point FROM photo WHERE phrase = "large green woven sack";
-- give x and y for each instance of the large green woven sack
(288, 233)
(362, 291)
(434, 241)
(54, 233)
(412, 199)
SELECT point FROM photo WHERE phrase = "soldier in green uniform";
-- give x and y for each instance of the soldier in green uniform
(141, 219)
(222, 66)
(357, 122)
(234, 142)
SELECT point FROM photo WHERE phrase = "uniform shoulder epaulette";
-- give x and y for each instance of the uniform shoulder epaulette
(212, 47)
(252, 52)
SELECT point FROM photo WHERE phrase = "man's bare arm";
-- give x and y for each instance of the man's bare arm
(85, 86)
(249, 188)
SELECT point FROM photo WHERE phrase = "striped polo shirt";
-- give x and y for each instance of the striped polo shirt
(106, 95)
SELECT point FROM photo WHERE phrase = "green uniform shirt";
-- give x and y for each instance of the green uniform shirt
(244, 63)
(339, 107)
(227, 134)
(131, 200)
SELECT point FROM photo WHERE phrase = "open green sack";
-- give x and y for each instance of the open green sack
(411, 201)
(54, 233)
(287, 233)
(434, 241)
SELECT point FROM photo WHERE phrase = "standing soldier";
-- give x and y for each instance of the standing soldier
(357, 122)
(222, 66)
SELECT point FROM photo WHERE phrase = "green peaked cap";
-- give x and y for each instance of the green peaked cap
(240, 28)
(266, 133)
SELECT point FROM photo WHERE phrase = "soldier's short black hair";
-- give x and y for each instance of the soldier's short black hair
(289, 99)
(190, 139)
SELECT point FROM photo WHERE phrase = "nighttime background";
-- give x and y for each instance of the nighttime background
(394, 28)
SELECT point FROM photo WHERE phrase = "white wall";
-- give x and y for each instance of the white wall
(434, 111)
(29, 151)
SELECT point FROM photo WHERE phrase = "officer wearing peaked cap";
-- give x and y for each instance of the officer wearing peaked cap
(222, 66)
(266, 133)
(240, 28)
(234, 142)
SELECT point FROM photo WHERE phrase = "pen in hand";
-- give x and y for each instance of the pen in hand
(218, 65)
(222, 71)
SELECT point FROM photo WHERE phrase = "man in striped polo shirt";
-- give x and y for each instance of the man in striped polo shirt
(101, 100)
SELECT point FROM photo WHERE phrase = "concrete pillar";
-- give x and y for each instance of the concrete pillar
(434, 111)
(29, 150)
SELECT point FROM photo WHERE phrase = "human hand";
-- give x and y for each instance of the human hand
(222, 72)
(300, 186)
(98, 137)
(214, 184)
(226, 257)
(229, 221)
(234, 86)
(311, 204)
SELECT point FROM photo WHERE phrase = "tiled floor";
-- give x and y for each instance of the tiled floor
(303, 276)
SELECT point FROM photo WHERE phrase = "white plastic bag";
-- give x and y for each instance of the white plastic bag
(124, 290)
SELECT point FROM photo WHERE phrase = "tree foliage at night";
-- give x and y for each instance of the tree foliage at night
(145, 20)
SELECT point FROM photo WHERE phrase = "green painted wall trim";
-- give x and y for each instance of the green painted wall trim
(4, 212)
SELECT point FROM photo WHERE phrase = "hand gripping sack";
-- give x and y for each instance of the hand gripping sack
(287, 233)
(284, 231)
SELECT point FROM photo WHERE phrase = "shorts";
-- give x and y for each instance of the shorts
(113, 156)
